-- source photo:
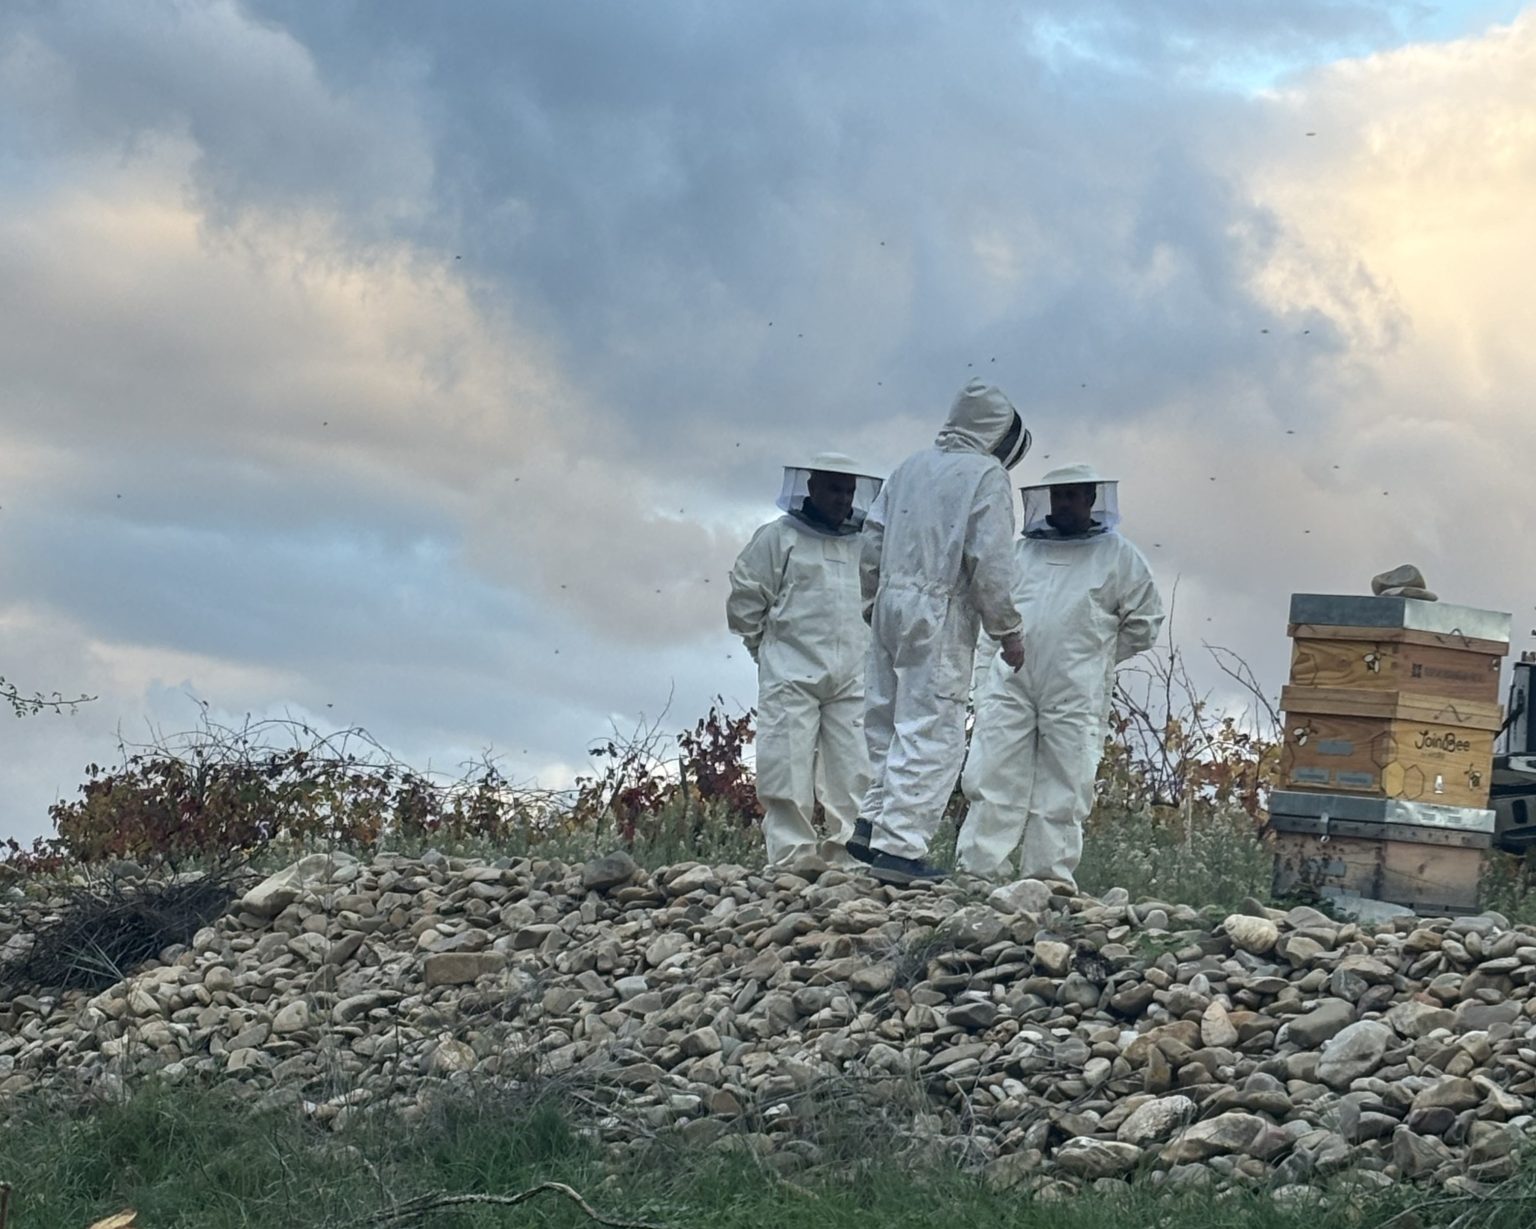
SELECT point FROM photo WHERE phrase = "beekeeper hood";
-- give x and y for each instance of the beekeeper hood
(1104, 516)
(797, 484)
(982, 419)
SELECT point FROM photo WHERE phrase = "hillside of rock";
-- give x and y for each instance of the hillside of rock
(1042, 1040)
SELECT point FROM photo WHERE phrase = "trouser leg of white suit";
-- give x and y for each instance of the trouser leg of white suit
(1067, 760)
(879, 723)
(998, 779)
(921, 767)
(843, 761)
(919, 668)
(788, 721)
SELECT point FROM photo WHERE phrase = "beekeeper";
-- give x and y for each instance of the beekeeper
(795, 603)
(1088, 602)
(937, 565)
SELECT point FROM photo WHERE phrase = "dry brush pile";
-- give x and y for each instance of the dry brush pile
(1046, 1041)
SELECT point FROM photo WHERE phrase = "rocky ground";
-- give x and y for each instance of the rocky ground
(1048, 1041)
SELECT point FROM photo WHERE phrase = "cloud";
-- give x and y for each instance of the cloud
(274, 474)
(94, 77)
(641, 182)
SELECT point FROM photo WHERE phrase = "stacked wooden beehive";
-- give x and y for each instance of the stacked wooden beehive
(1390, 719)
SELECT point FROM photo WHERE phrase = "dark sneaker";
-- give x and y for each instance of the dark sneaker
(858, 843)
(897, 871)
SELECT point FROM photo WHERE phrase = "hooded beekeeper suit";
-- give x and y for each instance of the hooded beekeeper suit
(937, 566)
(795, 603)
(1088, 602)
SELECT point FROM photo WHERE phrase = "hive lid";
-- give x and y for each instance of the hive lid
(1345, 610)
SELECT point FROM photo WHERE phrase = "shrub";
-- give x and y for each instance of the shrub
(219, 796)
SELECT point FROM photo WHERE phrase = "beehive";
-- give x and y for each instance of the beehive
(1390, 719)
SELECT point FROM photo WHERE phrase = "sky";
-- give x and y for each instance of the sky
(424, 367)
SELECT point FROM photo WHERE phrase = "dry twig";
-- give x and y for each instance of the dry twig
(415, 1209)
(1240, 672)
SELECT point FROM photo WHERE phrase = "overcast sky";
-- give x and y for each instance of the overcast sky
(424, 366)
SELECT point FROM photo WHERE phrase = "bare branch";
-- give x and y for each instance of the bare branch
(1241, 673)
(27, 706)
(1173, 749)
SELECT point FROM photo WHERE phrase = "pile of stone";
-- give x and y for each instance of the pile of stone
(23, 916)
(1050, 1041)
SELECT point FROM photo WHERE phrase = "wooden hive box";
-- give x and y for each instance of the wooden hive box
(1388, 744)
(1396, 660)
(1397, 644)
(1427, 858)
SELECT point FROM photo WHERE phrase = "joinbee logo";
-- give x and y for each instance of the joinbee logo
(1440, 742)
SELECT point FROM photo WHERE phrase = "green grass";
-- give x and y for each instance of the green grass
(1218, 861)
(186, 1157)
(1507, 888)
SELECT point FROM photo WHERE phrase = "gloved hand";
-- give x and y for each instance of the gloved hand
(1013, 651)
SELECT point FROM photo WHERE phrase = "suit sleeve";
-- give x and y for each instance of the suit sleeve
(871, 546)
(988, 559)
(1141, 608)
(755, 581)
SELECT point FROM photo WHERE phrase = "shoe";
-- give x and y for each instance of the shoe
(897, 871)
(858, 843)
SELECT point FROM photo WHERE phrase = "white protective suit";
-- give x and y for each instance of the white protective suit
(936, 568)
(1088, 602)
(795, 603)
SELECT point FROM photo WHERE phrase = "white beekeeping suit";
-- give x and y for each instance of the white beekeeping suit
(795, 603)
(937, 566)
(1088, 602)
